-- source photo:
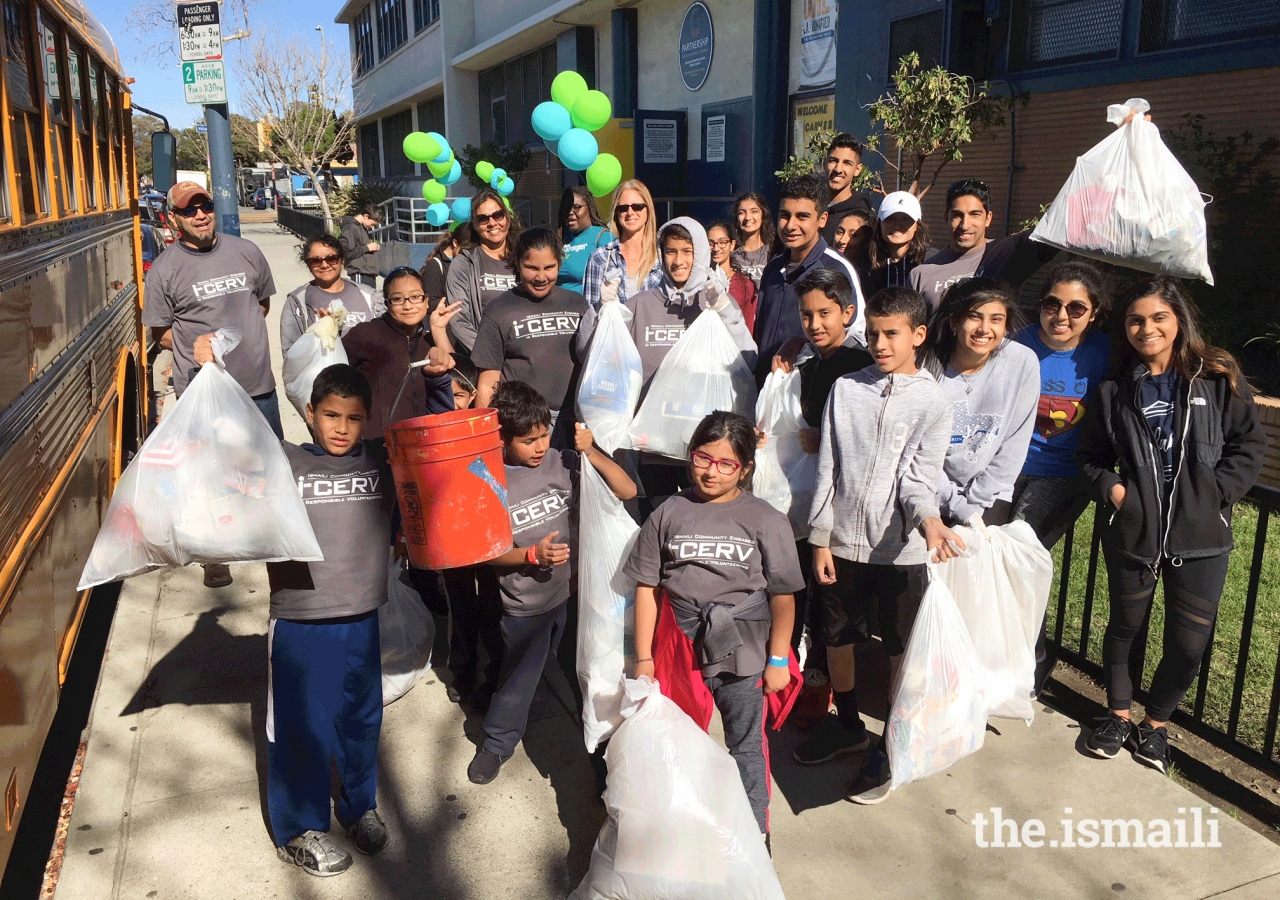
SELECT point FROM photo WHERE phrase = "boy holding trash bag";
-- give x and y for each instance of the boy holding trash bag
(875, 518)
(324, 691)
(535, 577)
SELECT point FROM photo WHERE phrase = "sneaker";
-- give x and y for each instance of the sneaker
(1151, 746)
(830, 742)
(369, 834)
(1044, 668)
(1109, 736)
(316, 854)
(874, 783)
(811, 707)
(217, 575)
(485, 766)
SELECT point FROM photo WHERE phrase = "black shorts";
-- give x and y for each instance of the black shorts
(871, 598)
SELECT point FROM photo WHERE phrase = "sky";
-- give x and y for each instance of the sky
(158, 85)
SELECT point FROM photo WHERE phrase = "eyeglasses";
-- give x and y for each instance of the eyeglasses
(723, 466)
(721, 244)
(316, 262)
(411, 300)
(485, 218)
(578, 208)
(188, 212)
(1050, 306)
(630, 207)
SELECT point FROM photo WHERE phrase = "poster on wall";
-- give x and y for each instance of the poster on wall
(818, 43)
(697, 43)
(660, 141)
(810, 115)
(713, 147)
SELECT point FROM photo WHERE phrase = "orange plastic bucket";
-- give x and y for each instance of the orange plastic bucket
(452, 487)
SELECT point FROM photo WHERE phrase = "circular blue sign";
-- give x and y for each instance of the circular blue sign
(696, 44)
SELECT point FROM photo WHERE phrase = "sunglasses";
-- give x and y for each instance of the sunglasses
(969, 184)
(1050, 306)
(630, 207)
(316, 262)
(188, 211)
(723, 466)
(485, 218)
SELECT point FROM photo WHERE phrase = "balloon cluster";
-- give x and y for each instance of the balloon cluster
(431, 149)
(566, 122)
(498, 179)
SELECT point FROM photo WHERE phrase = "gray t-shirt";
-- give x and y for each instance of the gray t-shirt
(945, 268)
(349, 501)
(358, 308)
(657, 325)
(196, 292)
(532, 341)
(496, 278)
(541, 499)
(720, 553)
(751, 262)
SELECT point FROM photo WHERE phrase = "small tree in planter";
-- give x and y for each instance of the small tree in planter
(514, 158)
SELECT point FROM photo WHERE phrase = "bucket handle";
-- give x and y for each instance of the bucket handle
(405, 381)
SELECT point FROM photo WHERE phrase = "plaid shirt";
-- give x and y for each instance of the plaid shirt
(608, 259)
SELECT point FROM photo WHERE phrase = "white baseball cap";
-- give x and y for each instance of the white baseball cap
(900, 202)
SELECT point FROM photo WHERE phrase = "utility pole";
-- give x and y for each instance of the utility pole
(204, 82)
(222, 165)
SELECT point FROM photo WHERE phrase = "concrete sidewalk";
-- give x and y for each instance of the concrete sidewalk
(170, 803)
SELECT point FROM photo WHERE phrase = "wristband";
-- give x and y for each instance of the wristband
(531, 556)
(781, 662)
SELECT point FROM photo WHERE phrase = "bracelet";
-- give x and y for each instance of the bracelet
(531, 556)
(781, 662)
(646, 659)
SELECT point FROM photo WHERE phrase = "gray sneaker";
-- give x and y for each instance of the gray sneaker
(829, 741)
(368, 834)
(316, 854)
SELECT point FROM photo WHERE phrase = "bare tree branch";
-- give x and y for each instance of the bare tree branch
(156, 24)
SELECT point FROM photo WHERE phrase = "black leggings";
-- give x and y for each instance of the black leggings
(1192, 591)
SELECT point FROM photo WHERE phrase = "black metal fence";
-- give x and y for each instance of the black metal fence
(1234, 707)
(303, 224)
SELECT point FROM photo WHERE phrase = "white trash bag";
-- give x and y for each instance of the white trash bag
(210, 485)
(785, 475)
(939, 711)
(702, 373)
(606, 604)
(1001, 587)
(407, 632)
(318, 348)
(680, 825)
(611, 379)
(1129, 201)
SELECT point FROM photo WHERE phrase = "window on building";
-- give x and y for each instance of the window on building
(1167, 24)
(393, 29)
(431, 115)
(370, 158)
(363, 26)
(394, 130)
(917, 34)
(425, 13)
(509, 92)
(1052, 32)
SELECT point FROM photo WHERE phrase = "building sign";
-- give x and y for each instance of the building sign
(810, 115)
(713, 146)
(818, 43)
(696, 45)
(204, 82)
(660, 141)
(199, 31)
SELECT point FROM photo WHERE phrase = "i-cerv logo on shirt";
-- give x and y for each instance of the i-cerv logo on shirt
(734, 550)
(539, 509)
(662, 335)
(213, 288)
(323, 487)
(546, 325)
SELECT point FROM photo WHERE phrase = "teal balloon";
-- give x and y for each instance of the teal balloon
(550, 120)
(437, 214)
(505, 187)
(445, 150)
(496, 178)
(578, 149)
(420, 147)
(461, 209)
(433, 192)
(455, 173)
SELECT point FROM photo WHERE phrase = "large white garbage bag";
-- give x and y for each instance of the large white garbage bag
(319, 347)
(1129, 201)
(703, 372)
(611, 379)
(606, 604)
(939, 711)
(785, 475)
(1001, 587)
(211, 485)
(406, 632)
(680, 826)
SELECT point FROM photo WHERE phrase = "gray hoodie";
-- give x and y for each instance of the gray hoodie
(463, 284)
(879, 464)
(297, 317)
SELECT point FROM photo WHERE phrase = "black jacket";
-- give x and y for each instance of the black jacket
(1220, 450)
(382, 351)
(354, 239)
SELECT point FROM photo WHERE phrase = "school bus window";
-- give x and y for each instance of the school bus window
(114, 117)
(77, 70)
(62, 161)
(28, 136)
(97, 89)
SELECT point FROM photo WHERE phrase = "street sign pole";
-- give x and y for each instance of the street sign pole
(204, 82)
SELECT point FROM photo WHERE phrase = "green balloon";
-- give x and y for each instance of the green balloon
(420, 147)
(484, 171)
(604, 174)
(440, 169)
(592, 111)
(567, 88)
(433, 191)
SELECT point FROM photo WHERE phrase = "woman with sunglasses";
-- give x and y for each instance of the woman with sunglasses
(582, 232)
(487, 270)
(322, 254)
(629, 263)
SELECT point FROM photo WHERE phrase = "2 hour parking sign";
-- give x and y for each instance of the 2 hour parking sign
(204, 82)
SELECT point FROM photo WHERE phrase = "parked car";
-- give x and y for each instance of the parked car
(152, 245)
(306, 198)
(265, 198)
(153, 209)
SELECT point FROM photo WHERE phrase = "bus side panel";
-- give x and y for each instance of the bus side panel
(16, 345)
(76, 526)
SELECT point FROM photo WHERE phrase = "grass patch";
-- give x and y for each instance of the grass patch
(1263, 644)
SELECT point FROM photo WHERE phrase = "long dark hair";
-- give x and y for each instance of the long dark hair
(566, 207)
(513, 222)
(1191, 354)
(738, 431)
(878, 253)
(957, 303)
(768, 232)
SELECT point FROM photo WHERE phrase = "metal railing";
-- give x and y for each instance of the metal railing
(1192, 714)
(303, 224)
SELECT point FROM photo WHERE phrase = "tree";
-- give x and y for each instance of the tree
(296, 90)
(143, 127)
(244, 140)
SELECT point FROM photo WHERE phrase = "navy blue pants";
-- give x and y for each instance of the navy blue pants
(528, 642)
(269, 405)
(324, 708)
